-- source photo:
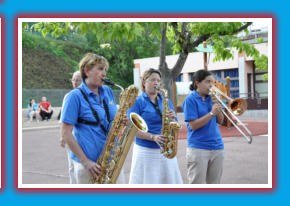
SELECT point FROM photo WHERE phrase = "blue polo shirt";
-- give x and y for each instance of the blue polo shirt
(147, 111)
(34, 108)
(207, 137)
(91, 138)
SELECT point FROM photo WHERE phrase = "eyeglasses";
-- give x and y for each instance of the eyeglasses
(76, 80)
(154, 80)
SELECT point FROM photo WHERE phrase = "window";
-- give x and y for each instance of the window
(179, 78)
(231, 73)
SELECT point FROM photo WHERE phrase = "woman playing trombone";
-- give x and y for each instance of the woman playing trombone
(205, 151)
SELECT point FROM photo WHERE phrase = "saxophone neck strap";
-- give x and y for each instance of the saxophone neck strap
(156, 106)
(97, 122)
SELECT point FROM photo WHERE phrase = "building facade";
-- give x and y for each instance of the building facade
(245, 80)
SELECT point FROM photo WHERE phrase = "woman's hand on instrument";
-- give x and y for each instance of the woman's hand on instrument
(93, 168)
(125, 120)
(171, 114)
(216, 109)
(214, 99)
(159, 139)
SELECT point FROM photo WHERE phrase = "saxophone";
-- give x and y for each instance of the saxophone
(120, 137)
(170, 129)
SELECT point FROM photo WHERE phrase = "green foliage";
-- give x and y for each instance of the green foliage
(73, 46)
(56, 29)
(261, 63)
(219, 28)
(260, 40)
(48, 63)
(27, 41)
(129, 40)
(223, 50)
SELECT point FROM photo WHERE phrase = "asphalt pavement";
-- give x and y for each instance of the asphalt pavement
(45, 162)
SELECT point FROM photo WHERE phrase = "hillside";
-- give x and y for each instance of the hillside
(47, 63)
(41, 69)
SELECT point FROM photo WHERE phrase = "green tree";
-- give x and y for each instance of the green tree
(184, 36)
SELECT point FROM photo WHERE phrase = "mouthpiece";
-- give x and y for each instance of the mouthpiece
(157, 88)
(109, 82)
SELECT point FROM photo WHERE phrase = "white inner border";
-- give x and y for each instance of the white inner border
(264, 21)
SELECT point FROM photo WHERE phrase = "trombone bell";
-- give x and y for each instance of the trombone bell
(236, 108)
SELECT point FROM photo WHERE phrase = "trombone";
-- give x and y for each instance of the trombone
(236, 108)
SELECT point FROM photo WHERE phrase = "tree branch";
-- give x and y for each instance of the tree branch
(179, 65)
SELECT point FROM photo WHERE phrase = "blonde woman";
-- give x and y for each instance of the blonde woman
(149, 166)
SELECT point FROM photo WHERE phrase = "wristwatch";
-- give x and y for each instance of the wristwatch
(151, 136)
(212, 114)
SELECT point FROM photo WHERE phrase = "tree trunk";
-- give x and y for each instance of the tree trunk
(169, 75)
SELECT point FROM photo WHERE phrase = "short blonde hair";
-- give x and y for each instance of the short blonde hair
(146, 75)
(89, 61)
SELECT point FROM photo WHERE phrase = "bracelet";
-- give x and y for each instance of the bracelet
(151, 136)
(212, 114)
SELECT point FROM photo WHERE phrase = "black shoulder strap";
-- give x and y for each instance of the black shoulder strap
(156, 107)
(107, 110)
(94, 113)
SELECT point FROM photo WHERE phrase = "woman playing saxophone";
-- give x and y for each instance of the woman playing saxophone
(149, 166)
(87, 115)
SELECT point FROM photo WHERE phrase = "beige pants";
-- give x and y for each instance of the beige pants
(204, 166)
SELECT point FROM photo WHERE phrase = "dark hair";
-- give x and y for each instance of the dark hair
(146, 75)
(30, 102)
(198, 77)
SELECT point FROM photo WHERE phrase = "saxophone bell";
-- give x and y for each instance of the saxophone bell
(119, 139)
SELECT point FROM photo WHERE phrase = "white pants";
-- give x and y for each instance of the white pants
(72, 179)
(82, 175)
(149, 166)
(204, 166)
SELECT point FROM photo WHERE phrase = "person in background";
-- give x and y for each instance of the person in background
(76, 81)
(45, 109)
(205, 150)
(32, 111)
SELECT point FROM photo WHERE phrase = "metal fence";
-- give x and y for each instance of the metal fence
(54, 96)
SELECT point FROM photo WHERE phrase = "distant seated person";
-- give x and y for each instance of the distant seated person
(45, 109)
(32, 111)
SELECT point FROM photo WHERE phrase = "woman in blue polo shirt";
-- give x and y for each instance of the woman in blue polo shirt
(32, 111)
(85, 139)
(149, 166)
(205, 150)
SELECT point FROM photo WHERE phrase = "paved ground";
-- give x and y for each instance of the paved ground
(45, 162)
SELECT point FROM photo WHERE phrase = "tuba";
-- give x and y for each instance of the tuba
(120, 137)
(170, 129)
